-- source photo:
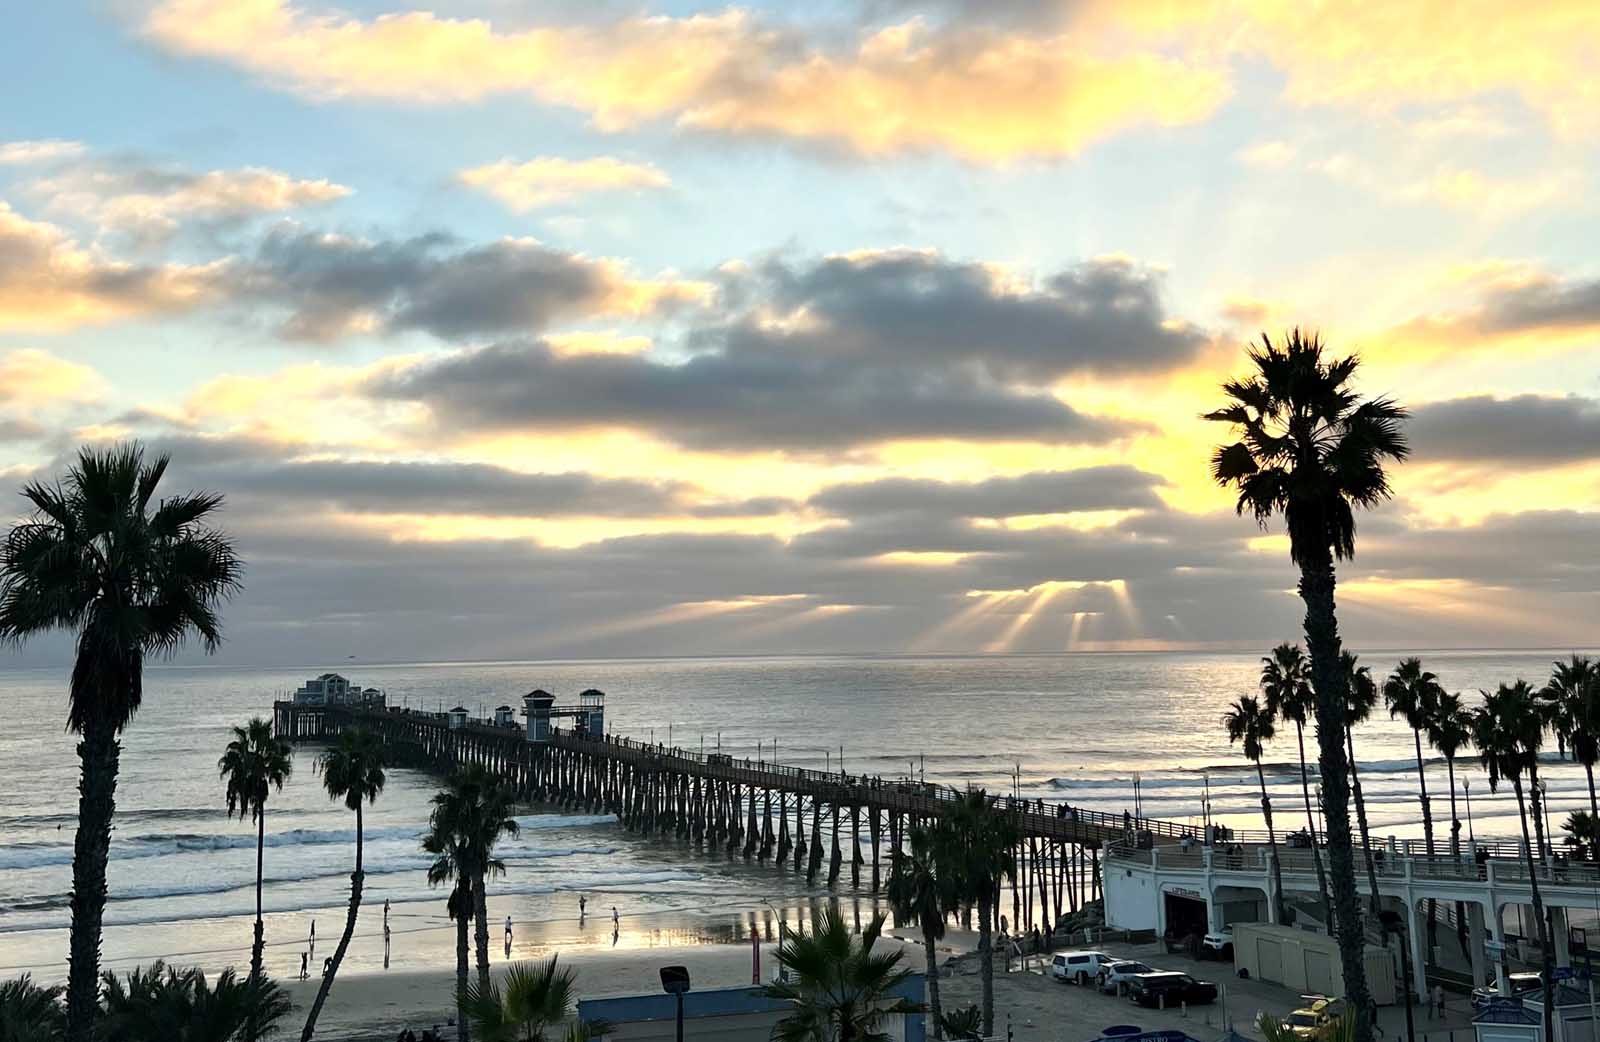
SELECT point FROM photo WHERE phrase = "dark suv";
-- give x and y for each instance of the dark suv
(1167, 990)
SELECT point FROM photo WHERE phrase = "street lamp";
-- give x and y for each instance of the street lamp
(675, 981)
(783, 925)
(1394, 926)
(1543, 810)
(1466, 787)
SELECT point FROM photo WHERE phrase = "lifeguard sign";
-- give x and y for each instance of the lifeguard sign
(588, 716)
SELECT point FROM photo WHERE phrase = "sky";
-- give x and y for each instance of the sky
(536, 330)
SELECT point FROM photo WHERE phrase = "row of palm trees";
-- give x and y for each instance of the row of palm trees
(952, 863)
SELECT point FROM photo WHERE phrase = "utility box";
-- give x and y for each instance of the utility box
(1308, 963)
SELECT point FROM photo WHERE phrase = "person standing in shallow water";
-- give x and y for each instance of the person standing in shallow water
(583, 907)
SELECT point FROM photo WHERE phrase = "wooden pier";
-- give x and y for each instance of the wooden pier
(765, 812)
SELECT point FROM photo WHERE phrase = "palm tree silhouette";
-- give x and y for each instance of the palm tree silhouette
(486, 805)
(169, 1003)
(1412, 693)
(1449, 730)
(132, 576)
(1250, 723)
(452, 863)
(1572, 698)
(351, 771)
(1286, 685)
(1310, 449)
(1508, 730)
(535, 999)
(920, 891)
(254, 763)
(838, 989)
(1361, 697)
(982, 851)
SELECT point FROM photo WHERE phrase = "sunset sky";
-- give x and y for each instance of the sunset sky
(516, 329)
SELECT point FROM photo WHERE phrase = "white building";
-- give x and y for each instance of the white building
(331, 689)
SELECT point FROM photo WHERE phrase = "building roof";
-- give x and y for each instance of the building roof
(504, 709)
(331, 676)
(1505, 1009)
(459, 709)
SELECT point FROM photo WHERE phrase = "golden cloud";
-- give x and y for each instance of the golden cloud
(33, 376)
(549, 180)
(140, 198)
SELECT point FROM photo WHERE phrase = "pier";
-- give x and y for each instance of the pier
(812, 822)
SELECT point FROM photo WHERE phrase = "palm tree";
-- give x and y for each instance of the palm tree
(180, 1005)
(1361, 697)
(963, 1022)
(1508, 730)
(1312, 451)
(839, 990)
(489, 804)
(131, 576)
(255, 762)
(1573, 698)
(981, 845)
(1412, 693)
(351, 771)
(29, 1013)
(535, 999)
(921, 893)
(1582, 829)
(452, 862)
(1250, 723)
(1449, 729)
(1286, 685)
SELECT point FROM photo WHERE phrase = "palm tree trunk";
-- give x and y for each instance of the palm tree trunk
(1361, 819)
(1272, 844)
(1538, 916)
(356, 879)
(463, 917)
(1455, 855)
(986, 960)
(1537, 797)
(260, 944)
(933, 977)
(1594, 807)
(100, 753)
(1427, 834)
(1322, 643)
(480, 914)
(1311, 829)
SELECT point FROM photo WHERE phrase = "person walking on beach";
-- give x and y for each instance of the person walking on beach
(508, 937)
(616, 918)
(583, 906)
(313, 938)
(386, 917)
(304, 973)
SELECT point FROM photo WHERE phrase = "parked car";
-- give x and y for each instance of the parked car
(1167, 990)
(1518, 985)
(1079, 967)
(1113, 975)
(1217, 945)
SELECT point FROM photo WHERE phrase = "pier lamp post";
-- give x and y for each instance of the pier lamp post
(783, 937)
(1466, 787)
(1548, 851)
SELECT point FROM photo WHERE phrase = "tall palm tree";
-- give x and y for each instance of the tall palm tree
(839, 990)
(182, 1006)
(1310, 449)
(981, 845)
(488, 803)
(452, 863)
(254, 763)
(1412, 693)
(351, 771)
(921, 893)
(131, 576)
(1449, 730)
(30, 1013)
(1286, 685)
(1508, 730)
(535, 999)
(1361, 697)
(1250, 723)
(1573, 698)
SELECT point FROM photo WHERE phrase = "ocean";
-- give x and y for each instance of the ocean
(1080, 728)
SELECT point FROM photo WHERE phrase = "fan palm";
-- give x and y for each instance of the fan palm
(181, 1006)
(1412, 693)
(1361, 697)
(1449, 730)
(1582, 830)
(486, 804)
(351, 771)
(1310, 449)
(1286, 685)
(1250, 723)
(1573, 699)
(838, 990)
(535, 999)
(921, 892)
(981, 846)
(131, 576)
(1508, 730)
(29, 1013)
(254, 763)
(452, 863)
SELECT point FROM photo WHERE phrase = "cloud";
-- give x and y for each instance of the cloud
(1526, 429)
(150, 200)
(32, 375)
(1540, 300)
(22, 153)
(49, 282)
(978, 93)
(549, 180)
(1272, 155)
(1113, 487)
(332, 285)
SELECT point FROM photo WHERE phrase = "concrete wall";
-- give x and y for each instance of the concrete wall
(1131, 899)
(722, 1015)
(1307, 962)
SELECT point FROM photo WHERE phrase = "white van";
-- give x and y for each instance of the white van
(1079, 967)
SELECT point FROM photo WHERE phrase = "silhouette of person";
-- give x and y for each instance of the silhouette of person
(304, 973)
(616, 918)
(583, 907)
